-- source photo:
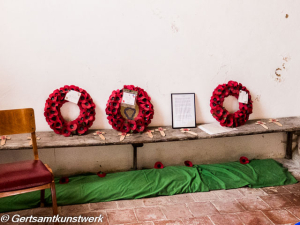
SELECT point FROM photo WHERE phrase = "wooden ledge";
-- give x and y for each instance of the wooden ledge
(51, 140)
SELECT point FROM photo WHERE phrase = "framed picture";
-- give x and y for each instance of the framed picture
(183, 110)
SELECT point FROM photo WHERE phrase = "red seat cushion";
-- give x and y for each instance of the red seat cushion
(23, 174)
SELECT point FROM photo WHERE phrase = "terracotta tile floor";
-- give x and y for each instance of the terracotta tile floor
(271, 205)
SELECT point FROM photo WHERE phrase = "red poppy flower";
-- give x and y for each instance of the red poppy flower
(244, 160)
(101, 174)
(118, 122)
(125, 128)
(131, 124)
(58, 124)
(218, 111)
(54, 96)
(82, 129)
(146, 107)
(88, 118)
(219, 90)
(142, 97)
(158, 165)
(72, 126)
(66, 132)
(64, 180)
(86, 104)
(139, 125)
(188, 163)
(74, 88)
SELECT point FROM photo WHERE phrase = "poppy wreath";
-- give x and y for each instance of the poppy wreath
(57, 122)
(226, 119)
(140, 122)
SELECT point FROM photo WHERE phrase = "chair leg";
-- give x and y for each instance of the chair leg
(42, 198)
(54, 203)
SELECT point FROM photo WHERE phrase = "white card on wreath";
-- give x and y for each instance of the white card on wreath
(128, 98)
(73, 96)
(243, 97)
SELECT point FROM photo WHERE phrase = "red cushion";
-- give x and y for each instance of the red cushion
(23, 174)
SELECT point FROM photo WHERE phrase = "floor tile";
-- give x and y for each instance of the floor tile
(228, 206)
(295, 210)
(182, 198)
(121, 216)
(202, 209)
(164, 200)
(142, 223)
(130, 203)
(149, 214)
(43, 211)
(204, 196)
(204, 220)
(252, 192)
(281, 216)
(229, 194)
(103, 205)
(254, 218)
(294, 188)
(168, 222)
(100, 218)
(275, 190)
(277, 201)
(226, 219)
(74, 210)
(177, 211)
(294, 198)
(253, 204)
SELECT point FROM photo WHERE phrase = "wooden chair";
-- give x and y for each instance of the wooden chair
(24, 176)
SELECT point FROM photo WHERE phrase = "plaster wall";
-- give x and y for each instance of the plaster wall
(165, 47)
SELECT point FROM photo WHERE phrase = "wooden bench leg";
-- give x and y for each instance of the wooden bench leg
(289, 145)
(42, 198)
(135, 146)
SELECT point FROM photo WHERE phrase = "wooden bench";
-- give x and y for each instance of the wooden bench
(51, 140)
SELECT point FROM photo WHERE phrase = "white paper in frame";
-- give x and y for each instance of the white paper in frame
(183, 110)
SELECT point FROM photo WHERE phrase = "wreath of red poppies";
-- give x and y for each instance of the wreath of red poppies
(226, 119)
(57, 122)
(140, 122)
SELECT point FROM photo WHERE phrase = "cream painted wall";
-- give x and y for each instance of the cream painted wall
(162, 46)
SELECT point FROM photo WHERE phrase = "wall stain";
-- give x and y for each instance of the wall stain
(280, 72)
(287, 58)
(276, 72)
(174, 28)
(286, 15)
(257, 98)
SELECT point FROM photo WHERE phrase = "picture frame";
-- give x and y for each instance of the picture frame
(183, 110)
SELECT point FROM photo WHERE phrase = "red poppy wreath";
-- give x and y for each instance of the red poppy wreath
(226, 119)
(57, 122)
(126, 119)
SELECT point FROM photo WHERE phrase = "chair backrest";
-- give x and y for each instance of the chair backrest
(19, 121)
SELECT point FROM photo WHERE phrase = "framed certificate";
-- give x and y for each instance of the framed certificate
(183, 110)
